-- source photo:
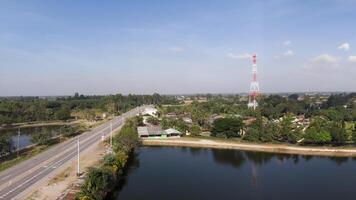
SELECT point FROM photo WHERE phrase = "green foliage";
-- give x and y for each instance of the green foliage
(63, 113)
(178, 124)
(317, 136)
(230, 127)
(152, 120)
(41, 137)
(270, 132)
(100, 182)
(318, 132)
(252, 134)
(338, 133)
(195, 130)
(28, 109)
(6, 144)
(289, 132)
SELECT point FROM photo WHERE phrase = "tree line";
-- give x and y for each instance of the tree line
(30, 109)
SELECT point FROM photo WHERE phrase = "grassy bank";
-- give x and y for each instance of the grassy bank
(101, 181)
(250, 146)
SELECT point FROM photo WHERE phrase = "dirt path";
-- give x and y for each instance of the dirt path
(274, 148)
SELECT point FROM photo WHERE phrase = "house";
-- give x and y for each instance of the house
(151, 132)
(156, 132)
(173, 133)
(150, 111)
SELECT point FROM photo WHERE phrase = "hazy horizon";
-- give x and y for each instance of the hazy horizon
(54, 48)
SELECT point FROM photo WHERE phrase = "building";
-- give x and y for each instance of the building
(150, 111)
(173, 133)
(156, 132)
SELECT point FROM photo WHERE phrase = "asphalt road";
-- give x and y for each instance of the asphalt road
(17, 179)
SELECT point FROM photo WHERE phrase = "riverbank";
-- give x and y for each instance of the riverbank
(272, 148)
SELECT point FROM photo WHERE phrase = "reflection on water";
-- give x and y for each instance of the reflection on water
(198, 173)
(24, 138)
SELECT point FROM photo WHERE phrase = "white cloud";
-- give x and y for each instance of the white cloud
(324, 63)
(326, 58)
(352, 59)
(289, 53)
(176, 49)
(344, 46)
(239, 56)
(287, 42)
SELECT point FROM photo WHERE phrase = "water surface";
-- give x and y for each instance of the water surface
(196, 173)
(24, 138)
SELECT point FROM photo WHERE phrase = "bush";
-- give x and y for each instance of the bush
(252, 134)
(98, 183)
(153, 120)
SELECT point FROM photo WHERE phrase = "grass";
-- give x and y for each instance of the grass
(29, 153)
(61, 177)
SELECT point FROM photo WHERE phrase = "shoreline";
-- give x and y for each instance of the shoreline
(270, 148)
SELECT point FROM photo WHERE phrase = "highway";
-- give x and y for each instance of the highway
(17, 179)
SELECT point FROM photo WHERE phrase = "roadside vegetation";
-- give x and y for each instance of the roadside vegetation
(15, 111)
(41, 139)
(100, 181)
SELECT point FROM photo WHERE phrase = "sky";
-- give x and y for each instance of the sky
(50, 47)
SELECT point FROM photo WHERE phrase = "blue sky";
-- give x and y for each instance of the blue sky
(52, 47)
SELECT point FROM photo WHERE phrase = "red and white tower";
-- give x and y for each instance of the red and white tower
(254, 87)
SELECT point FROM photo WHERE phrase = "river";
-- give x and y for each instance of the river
(197, 173)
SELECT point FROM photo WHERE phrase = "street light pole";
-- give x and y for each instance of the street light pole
(18, 142)
(78, 167)
(111, 135)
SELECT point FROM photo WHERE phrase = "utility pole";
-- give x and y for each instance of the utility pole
(60, 134)
(78, 166)
(18, 142)
(111, 135)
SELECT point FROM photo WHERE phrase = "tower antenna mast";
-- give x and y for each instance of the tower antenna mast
(254, 87)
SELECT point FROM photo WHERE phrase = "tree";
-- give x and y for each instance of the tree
(338, 133)
(252, 134)
(318, 131)
(195, 130)
(6, 144)
(63, 113)
(293, 97)
(98, 183)
(152, 120)
(42, 137)
(271, 132)
(317, 136)
(354, 135)
(289, 132)
(230, 127)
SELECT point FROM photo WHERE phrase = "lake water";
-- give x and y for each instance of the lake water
(196, 173)
(25, 134)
